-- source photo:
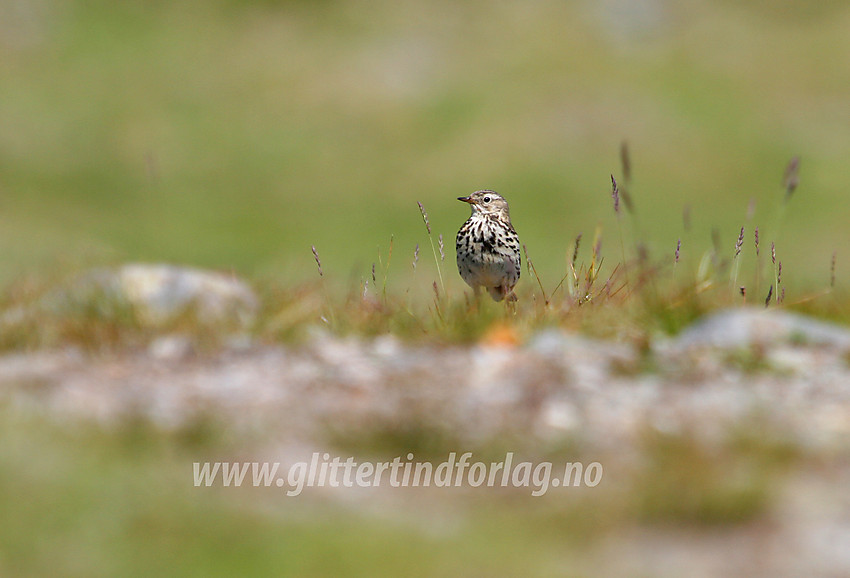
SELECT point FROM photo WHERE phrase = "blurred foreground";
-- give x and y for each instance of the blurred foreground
(724, 446)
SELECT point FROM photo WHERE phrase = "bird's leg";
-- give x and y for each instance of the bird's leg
(510, 299)
(476, 290)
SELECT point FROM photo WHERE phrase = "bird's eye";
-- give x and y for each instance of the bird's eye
(486, 199)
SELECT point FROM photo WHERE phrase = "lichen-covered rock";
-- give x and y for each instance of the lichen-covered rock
(131, 305)
(747, 327)
(161, 294)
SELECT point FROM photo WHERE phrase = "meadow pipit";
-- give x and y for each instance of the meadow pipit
(488, 247)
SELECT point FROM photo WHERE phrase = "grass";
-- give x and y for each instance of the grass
(237, 141)
(101, 502)
(123, 503)
(687, 482)
(635, 293)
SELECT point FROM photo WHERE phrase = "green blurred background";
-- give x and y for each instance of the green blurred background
(235, 134)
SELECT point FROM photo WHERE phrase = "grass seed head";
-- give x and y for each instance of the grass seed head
(739, 243)
(318, 261)
(615, 194)
(424, 217)
(832, 270)
(792, 177)
(575, 250)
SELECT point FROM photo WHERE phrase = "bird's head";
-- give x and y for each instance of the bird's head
(488, 202)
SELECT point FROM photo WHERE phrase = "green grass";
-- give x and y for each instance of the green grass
(84, 500)
(236, 134)
(102, 503)
(634, 294)
(688, 482)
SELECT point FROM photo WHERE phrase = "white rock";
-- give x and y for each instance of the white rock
(749, 326)
(171, 347)
(160, 293)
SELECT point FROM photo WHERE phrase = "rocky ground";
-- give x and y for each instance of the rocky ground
(791, 370)
(788, 372)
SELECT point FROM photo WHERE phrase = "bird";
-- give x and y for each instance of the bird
(488, 246)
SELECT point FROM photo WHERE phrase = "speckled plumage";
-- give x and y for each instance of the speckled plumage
(488, 247)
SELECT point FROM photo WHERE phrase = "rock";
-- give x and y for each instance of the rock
(747, 327)
(162, 294)
(171, 347)
(98, 305)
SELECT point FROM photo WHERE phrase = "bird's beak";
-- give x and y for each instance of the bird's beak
(465, 199)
